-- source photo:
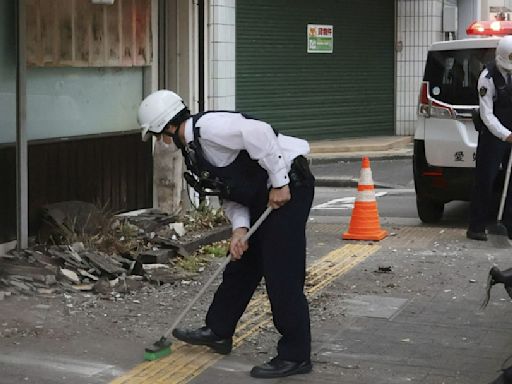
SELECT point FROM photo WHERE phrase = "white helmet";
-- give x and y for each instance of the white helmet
(156, 110)
(504, 53)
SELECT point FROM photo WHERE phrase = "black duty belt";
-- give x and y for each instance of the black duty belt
(300, 174)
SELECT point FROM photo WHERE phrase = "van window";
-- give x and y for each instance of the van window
(453, 75)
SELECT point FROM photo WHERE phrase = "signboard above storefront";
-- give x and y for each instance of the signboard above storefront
(320, 38)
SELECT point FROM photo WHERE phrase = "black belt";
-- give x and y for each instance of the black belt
(300, 174)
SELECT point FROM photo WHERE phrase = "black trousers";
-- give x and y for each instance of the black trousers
(277, 252)
(490, 154)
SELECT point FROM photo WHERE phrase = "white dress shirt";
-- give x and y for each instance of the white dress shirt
(486, 106)
(225, 134)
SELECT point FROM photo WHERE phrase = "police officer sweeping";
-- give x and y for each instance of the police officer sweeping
(249, 166)
(495, 136)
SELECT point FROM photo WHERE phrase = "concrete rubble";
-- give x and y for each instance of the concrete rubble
(137, 248)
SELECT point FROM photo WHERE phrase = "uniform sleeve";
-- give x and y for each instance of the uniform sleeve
(486, 92)
(261, 143)
(237, 214)
(256, 137)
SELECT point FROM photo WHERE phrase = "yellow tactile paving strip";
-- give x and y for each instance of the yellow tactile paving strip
(187, 361)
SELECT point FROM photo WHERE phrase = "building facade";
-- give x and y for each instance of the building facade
(324, 70)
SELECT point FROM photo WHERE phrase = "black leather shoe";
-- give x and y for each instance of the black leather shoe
(504, 378)
(481, 236)
(499, 380)
(280, 368)
(204, 336)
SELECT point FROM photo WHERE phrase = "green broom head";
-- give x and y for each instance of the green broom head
(158, 349)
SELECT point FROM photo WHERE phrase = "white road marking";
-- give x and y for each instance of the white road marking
(343, 203)
(59, 363)
(348, 202)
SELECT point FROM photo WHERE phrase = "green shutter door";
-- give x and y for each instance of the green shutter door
(347, 93)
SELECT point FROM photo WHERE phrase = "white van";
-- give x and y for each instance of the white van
(445, 139)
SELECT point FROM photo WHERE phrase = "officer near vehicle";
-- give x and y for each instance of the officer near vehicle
(249, 166)
(494, 124)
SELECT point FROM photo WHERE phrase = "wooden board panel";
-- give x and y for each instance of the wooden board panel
(142, 28)
(113, 32)
(128, 29)
(79, 33)
(48, 31)
(82, 33)
(34, 51)
(64, 38)
(97, 45)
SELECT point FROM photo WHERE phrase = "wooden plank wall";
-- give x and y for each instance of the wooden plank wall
(114, 172)
(78, 33)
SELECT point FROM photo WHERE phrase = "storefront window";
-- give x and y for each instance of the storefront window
(65, 102)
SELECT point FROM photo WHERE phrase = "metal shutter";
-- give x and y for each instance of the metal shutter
(318, 96)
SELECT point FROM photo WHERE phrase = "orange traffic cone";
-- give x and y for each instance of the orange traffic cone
(364, 223)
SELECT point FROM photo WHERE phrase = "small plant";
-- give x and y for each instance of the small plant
(192, 263)
(218, 249)
(204, 217)
(203, 256)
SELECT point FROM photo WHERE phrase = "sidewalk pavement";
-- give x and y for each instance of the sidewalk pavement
(353, 149)
(409, 313)
(375, 147)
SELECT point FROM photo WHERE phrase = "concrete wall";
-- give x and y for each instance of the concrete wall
(419, 24)
(222, 49)
(469, 11)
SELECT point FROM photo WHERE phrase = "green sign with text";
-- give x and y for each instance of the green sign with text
(320, 38)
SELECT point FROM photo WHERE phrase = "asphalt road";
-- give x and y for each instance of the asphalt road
(394, 204)
(395, 171)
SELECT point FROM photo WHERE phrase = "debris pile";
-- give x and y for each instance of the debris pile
(101, 255)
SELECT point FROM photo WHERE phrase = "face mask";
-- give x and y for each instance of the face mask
(172, 147)
(161, 141)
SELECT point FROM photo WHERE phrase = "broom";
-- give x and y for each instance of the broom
(499, 228)
(162, 347)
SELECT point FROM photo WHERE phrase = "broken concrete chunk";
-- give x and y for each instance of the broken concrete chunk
(40, 258)
(152, 267)
(104, 262)
(88, 275)
(46, 291)
(83, 287)
(70, 275)
(19, 285)
(77, 247)
(159, 256)
(74, 254)
(179, 228)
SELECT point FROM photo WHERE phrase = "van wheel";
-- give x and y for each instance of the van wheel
(429, 211)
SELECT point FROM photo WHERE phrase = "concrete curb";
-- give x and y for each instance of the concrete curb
(326, 158)
(349, 182)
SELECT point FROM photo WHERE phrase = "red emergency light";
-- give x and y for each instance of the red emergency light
(490, 28)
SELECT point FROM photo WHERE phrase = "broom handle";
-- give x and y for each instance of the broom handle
(253, 229)
(505, 188)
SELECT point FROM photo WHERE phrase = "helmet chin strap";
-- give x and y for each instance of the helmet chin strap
(175, 138)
